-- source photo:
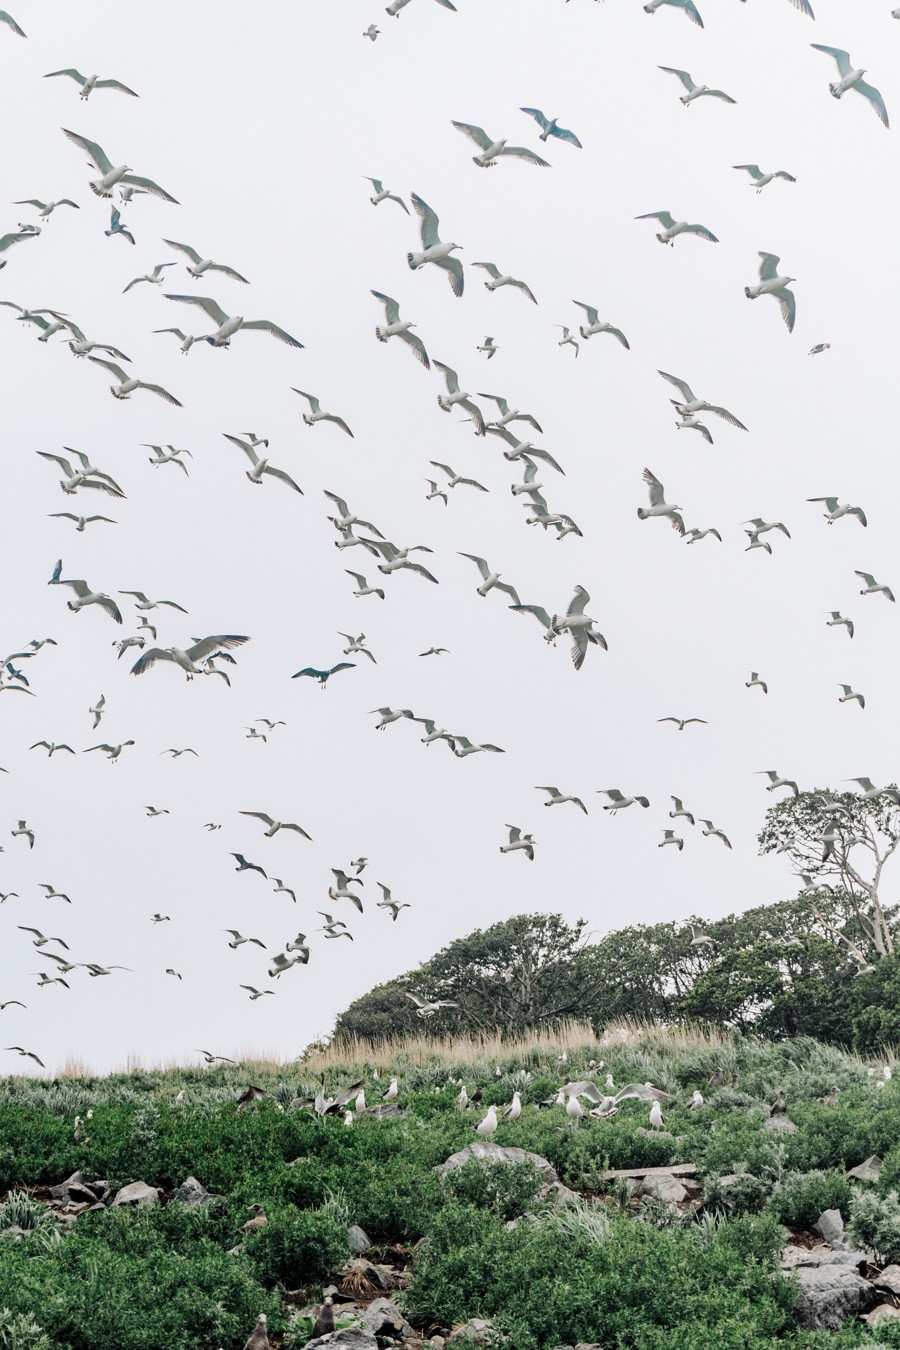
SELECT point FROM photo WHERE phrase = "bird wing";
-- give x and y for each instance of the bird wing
(97, 154)
(471, 482)
(206, 646)
(453, 267)
(677, 523)
(9, 239)
(719, 93)
(342, 665)
(58, 459)
(110, 365)
(613, 793)
(657, 491)
(664, 218)
(149, 658)
(841, 57)
(267, 326)
(429, 220)
(753, 169)
(768, 267)
(684, 389)
(418, 347)
(522, 152)
(702, 232)
(314, 406)
(259, 815)
(391, 307)
(787, 303)
(502, 432)
(514, 833)
(476, 134)
(450, 376)
(184, 248)
(537, 610)
(538, 116)
(683, 76)
(579, 601)
(510, 590)
(235, 276)
(81, 588)
(640, 1091)
(691, 11)
(148, 185)
(8, 19)
(480, 564)
(593, 316)
(285, 478)
(495, 272)
(874, 96)
(563, 134)
(206, 303)
(523, 286)
(116, 84)
(727, 416)
(156, 389)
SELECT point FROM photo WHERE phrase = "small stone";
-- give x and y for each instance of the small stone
(477, 1331)
(889, 1279)
(192, 1194)
(885, 1312)
(351, 1338)
(137, 1193)
(384, 1319)
(779, 1123)
(830, 1226)
(357, 1240)
(870, 1170)
(667, 1188)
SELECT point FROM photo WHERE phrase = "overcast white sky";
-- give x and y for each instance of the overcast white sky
(263, 127)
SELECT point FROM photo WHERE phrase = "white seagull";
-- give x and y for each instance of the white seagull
(46, 209)
(88, 597)
(273, 826)
(186, 658)
(557, 798)
(89, 83)
(492, 150)
(456, 396)
(111, 174)
(852, 79)
(362, 586)
(261, 466)
(713, 832)
(567, 339)
(672, 228)
(690, 9)
(834, 510)
(490, 580)
(658, 505)
(518, 840)
(849, 695)
(550, 127)
(397, 327)
(618, 801)
(755, 682)
(669, 837)
(315, 413)
(760, 179)
(596, 325)
(433, 250)
(872, 587)
(456, 479)
(128, 384)
(690, 404)
(228, 325)
(680, 811)
(499, 279)
(382, 194)
(695, 91)
(155, 278)
(770, 283)
(837, 620)
(199, 265)
(776, 781)
(87, 476)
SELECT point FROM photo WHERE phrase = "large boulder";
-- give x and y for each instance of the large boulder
(889, 1279)
(830, 1227)
(137, 1193)
(870, 1170)
(830, 1287)
(351, 1338)
(357, 1240)
(384, 1319)
(192, 1194)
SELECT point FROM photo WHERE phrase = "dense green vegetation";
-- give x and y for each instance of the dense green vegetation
(602, 1268)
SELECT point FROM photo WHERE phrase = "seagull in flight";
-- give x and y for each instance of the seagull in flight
(19, 32)
(128, 384)
(669, 837)
(323, 676)
(395, 6)
(275, 825)
(872, 587)
(112, 174)
(672, 228)
(46, 209)
(776, 781)
(187, 658)
(382, 194)
(518, 840)
(86, 476)
(713, 832)
(837, 620)
(315, 414)
(88, 597)
(680, 811)
(244, 866)
(387, 902)
(488, 346)
(690, 404)
(491, 580)
(848, 695)
(155, 278)
(397, 327)
(596, 325)
(550, 127)
(199, 265)
(433, 250)
(239, 940)
(29, 1054)
(499, 279)
(116, 227)
(557, 798)
(770, 283)
(579, 625)
(852, 79)
(682, 722)
(834, 510)
(363, 587)
(567, 340)
(227, 325)
(492, 151)
(618, 801)
(658, 505)
(89, 83)
(690, 9)
(456, 396)
(760, 179)
(755, 682)
(261, 466)
(695, 91)
(456, 479)
(141, 602)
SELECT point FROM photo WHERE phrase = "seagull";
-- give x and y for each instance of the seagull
(238, 939)
(387, 902)
(870, 792)
(433, 250)
(397, 559)
(834, 510)
(755, 681)
(434, 732)
(270, 725)
(80, 521)
(397, 327)
(656, 1116)
(260, 466)
(341, 888)
(363, 587)
(275, 825)
(395, 7)
(658, 505)
(848, 696)
(672, 227)
(346, 517)
(499, 279)
(244, 866)
(228, 325)
(492, 151)
(669, 838)
(23, 829)
(141, 602)
(359, 864)
(491, 580)
(695, 91)
(323, 675)
(691, 404)
(334, 928)
(10, 1003)
(517, 840)
(462, 746)
(88, 597)
(315, 414)
(455, 396)
(371, 32)
(200, 265)
(11, 23)
(488, 1124)
(211, 1058)
(837, 621)
(694, 536)
(456, 479)
(760, 179)
(29, 1054)
(819, 348)
(522, 449)
(775, 781)
(116, 227)
(508, 414)
(51, 746)
(389, 715)
(618, 801)
(186, 658)
(549, 127)
(382, 194)
(596, 325)
(155, 278)
(160, 918)
(770, 283)
(94, 970)
(688, 6)
(112, 751)
(160, 457)
(89, 83)
(80, 345)
(9, 239)
(514, 1110)
(489, 347)
(712, 831)
(680, 811)
(579, 625)
(556, 798)
(46, 209)
(761, 526)
(567, 340)
(39, 939)
(682, 722)
(113, 174)
(356, 645)
(852, 79)
(128, 384)
(187, 340)
(872, 587)
(254, 993)
(87, 476)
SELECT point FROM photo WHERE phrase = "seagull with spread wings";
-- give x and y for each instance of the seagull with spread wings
(658, 504)
(315, 413)
(695, 91)
(770, 283)
(492, 151)
(86, 476)
(853, 79)
(690, 404)
(383, 194)
(690, 9)
(88, 83)
(499, 279)
(46, 209)
(261, 466)
(187, 658)
(575, 622)
(433, 249)
(111, 174)
(397, 327)
(596, 325)
(127, 384)
(490, 580)
(550, 127)
(85, 596)
(760, 179)
(199, 265)
(672, 228)
(229, 324)
(273, 826)
(323, 676)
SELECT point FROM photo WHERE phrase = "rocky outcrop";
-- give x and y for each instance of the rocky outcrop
(830, 1285)
(137, 1193)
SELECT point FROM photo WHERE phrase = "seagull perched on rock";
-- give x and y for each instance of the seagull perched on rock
(499, 279)
(518, 840)
(363, 587)
(852, 79)
(273, 826)
(112, 174)
(550, 127)
(695, 91)
(433, 250)
(458, 397)
(837, 620)
(760, 179)
(834, 511)
(199, 265)
(382, 194)
(228, 324)
(770, 283)
(872, 587)
(690, 404)
(669, 837)
(261, 466)
(88, 597)
(397, 327)
(755, 682)
(672, 228)
(690, 9)
(849, 695)
(491, 580)
(323, 676)
(596, 325)
(658, 505)
(557, 798)
(128, 383)
(315, 414)
(618, 801)
(187, 658)
(492, 151)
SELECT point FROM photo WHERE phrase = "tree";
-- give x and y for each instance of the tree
(382, 1013)
(848, 837)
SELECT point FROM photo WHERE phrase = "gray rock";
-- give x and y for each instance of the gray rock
(384, 1319)
(477, 1331)
(870, 1170)
(80, 1194)
(885, 1312)
(357, 1240)
(779, 1123)
(795, 1257)
(351, 1338)
(191, 1194)
(379, 1276)
(830, 1226)
(829, 1294)
(889, 1279)
(137, 1193)
(667, 1188)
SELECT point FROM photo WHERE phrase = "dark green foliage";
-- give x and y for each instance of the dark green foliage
(297, 1248)
(800, 1197)
(505, 1190)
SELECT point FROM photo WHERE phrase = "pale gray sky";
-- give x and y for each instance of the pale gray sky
(263, 128)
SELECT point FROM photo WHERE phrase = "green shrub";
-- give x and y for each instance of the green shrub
(506, 1190)
(297, 1248)
(875, 1224)
(800, 1197)
(19, 1331)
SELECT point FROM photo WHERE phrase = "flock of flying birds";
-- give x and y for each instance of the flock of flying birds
(114, 187)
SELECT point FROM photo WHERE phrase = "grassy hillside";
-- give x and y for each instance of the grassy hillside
(607, 1267)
